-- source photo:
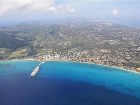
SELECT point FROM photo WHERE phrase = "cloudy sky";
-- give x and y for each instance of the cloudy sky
(114, 10)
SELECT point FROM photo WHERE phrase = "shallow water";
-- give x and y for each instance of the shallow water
(67, 83)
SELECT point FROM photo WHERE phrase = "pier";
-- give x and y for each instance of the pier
(36, 70)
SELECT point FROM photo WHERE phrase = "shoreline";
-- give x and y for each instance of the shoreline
(116, 67)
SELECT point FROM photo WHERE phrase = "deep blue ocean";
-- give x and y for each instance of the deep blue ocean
(67, 83)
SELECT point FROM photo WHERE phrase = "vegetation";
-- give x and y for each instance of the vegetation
(111, 43)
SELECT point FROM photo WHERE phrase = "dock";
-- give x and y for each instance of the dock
(36, 70)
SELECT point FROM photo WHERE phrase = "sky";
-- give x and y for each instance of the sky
(119, 11)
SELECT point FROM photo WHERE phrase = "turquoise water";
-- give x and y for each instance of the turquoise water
(112, 78)
(58, 78)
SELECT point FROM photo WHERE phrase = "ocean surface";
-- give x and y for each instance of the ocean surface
(67, 83)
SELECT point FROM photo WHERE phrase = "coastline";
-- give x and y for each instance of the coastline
(116, 67)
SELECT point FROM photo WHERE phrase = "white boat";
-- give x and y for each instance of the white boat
(36, 70)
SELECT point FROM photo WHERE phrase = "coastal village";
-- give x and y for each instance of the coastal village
(102, 56)
(92, 42)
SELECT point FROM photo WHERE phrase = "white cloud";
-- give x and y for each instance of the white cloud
(115, 12)
(32, 6)
(72, 10)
